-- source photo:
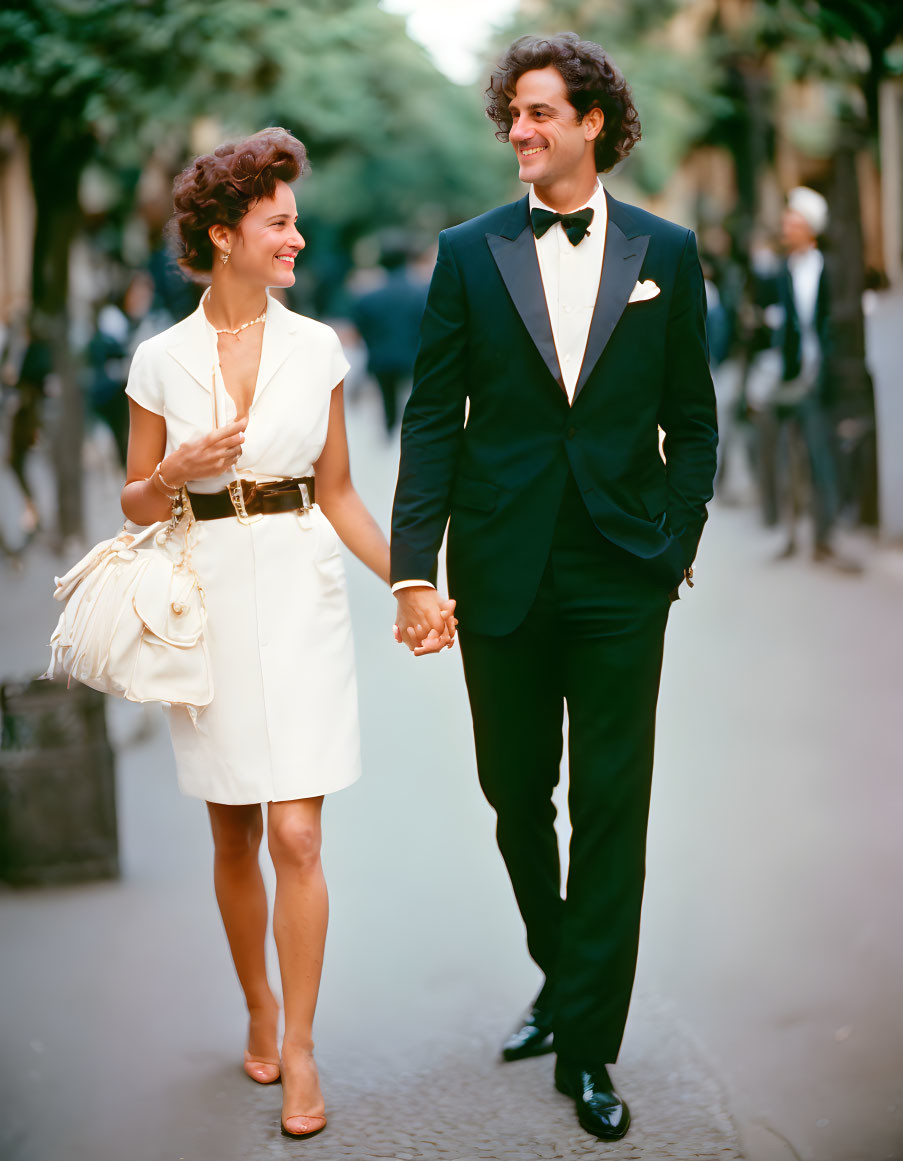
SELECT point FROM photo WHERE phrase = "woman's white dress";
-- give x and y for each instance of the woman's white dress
(283, 722)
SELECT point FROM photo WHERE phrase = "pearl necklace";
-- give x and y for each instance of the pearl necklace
(244, 326)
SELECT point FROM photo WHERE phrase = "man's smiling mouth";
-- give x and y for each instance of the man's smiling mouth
(533, 149)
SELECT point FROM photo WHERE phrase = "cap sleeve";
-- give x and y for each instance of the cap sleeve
(143, 386)
(338, 364)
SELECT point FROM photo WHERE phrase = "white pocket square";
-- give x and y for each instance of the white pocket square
(643, 291)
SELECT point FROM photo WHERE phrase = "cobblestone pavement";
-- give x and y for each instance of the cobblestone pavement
(774, 856)
(470, 1107)
(123, 1041)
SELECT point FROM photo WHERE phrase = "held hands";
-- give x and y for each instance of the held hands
(211, 455)
(425, 622)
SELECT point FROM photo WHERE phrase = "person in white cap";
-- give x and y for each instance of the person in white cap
(803, 399)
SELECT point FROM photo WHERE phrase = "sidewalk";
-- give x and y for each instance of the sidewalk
(767, 1021)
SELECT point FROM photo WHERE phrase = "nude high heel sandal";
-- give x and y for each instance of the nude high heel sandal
(314, 1123)
(302, 1136)
(262, 1071)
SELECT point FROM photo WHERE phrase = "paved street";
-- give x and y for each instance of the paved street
(767, 1021)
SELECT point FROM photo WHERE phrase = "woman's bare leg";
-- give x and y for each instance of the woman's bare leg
(299, 924)
(241, 895)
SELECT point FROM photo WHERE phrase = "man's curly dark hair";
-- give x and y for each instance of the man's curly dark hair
(592, 80)
(220, 188)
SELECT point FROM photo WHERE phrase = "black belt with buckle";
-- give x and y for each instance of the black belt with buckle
(247, 498)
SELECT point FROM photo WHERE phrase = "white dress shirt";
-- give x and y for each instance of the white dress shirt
(806, 268)
(570, 279)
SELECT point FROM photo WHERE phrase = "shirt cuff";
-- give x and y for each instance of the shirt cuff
(411, 584)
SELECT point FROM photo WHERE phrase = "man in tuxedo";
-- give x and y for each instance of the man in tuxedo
(573, 325)
(804, 401)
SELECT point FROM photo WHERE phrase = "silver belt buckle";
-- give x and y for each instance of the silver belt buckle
(305, 497)
(237, 496)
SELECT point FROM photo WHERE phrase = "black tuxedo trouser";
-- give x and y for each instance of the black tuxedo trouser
(593, 639)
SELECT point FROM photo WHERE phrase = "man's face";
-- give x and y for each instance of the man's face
(796, 233)
(550, 143)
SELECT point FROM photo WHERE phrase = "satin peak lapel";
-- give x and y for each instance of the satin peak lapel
(621, 265)
(519, 268)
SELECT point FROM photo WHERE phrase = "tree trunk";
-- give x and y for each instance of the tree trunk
(57, 217)
(853, 395)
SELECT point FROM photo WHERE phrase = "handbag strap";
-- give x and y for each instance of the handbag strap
(146, 533)
(216, 364)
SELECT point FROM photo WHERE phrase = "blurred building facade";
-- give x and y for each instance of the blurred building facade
(739, 125)
(16, 225)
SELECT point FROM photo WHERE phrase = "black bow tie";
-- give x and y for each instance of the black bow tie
(575, 225)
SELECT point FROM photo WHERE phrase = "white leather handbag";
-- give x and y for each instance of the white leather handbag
(134, 617)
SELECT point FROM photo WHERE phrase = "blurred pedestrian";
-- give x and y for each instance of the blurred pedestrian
(760, 318)
(145, 310)
(574, 326)
(25, 426)
(217, 417)
(801, 401)
(173, 296)
(108, 363)
(718, 321)
(121, 328)
(388, 319)
(727, 381)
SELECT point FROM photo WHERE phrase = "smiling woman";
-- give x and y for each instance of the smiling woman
(264, 497)
(221, 187)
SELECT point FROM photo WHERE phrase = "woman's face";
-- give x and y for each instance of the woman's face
(266, 242)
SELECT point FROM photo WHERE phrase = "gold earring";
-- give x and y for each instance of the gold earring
(225, 257)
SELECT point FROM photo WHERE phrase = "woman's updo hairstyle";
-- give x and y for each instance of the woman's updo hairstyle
(220, 188)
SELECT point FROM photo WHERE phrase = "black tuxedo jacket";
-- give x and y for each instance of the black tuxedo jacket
(498, 468)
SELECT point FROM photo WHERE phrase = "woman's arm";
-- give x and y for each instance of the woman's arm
(336, 495)
(142, 499)
(145, 498)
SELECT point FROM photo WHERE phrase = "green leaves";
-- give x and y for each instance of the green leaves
(385, 130)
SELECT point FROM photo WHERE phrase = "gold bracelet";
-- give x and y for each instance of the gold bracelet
(168, 489)
(171, 487)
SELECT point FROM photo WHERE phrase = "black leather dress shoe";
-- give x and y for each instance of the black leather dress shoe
(599, 1108)
(532, 1037)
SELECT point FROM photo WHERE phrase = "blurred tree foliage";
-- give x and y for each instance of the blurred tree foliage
(110, 81)
(848, 41)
